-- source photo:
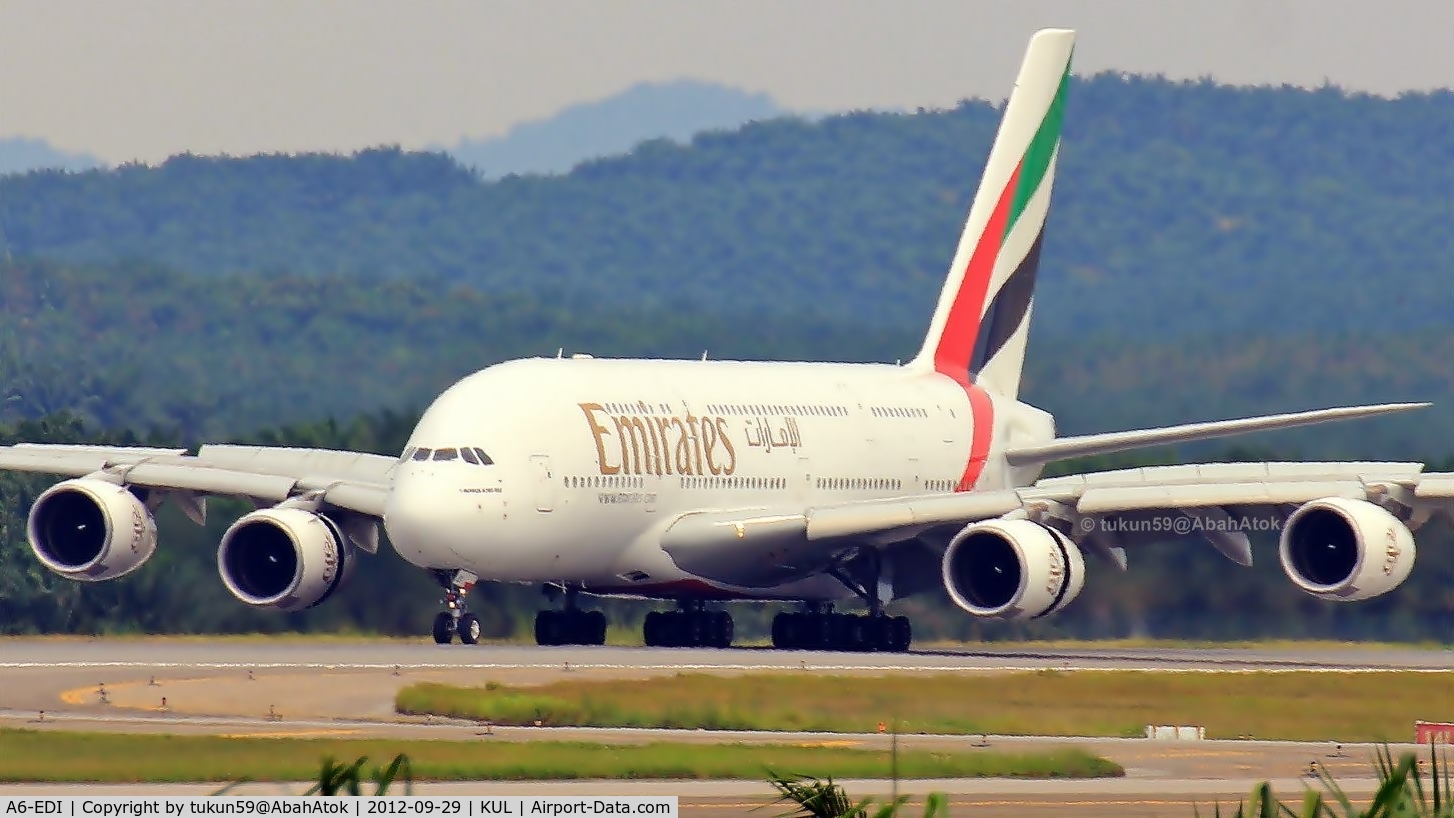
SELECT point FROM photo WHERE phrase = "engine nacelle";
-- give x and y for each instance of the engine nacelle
(91, 530)
(1346, 550)
(287, 559)
(1012, 569)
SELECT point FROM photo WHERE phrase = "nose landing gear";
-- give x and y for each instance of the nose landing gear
(454, 619)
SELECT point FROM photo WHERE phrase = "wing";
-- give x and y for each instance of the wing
(760, 548)
(351, 481)
(1065, 448)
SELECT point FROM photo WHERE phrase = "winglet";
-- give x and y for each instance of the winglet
(1086, 445)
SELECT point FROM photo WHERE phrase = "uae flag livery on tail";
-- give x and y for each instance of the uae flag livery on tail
(981, 323)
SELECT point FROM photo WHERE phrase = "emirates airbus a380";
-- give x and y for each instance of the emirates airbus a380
(703, 482)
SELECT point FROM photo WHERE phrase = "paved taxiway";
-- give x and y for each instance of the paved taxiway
(387, 655)
(344, 690)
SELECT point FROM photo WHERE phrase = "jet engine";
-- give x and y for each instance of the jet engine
(1346, 550)
(287, 559)
(1012, 569)
(91, 530)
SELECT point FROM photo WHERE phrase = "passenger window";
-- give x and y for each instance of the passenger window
(484, 458)
(444, 455)
(469, 457)
(422, 454)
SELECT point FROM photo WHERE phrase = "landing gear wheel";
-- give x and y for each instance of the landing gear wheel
(596, 622)
(688, 629)
(902, 634)
(818, 630)
(651, 630)
(570, 627)
(469, 629)
(722, 630)
(443, 628)
(547, 628)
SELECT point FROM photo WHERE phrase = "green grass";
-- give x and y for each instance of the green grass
(32, 755)
(1293, 706)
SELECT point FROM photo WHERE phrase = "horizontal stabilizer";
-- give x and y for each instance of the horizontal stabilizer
(1087, 445)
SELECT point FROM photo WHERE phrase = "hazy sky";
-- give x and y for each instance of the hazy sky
(143, 79)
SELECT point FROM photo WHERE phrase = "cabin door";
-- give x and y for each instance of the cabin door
(544, 482)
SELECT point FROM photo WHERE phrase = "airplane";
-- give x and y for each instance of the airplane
(703, 482)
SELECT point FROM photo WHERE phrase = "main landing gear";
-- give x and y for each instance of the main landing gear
(570, 625)
(690, 626)
(819, 628)
(454, 619)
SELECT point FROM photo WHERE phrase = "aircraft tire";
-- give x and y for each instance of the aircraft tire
(845, 632)
(722, 629)
(443, 628)
(902, 634)
(469, 629)
(548, 628)
(651, 630)
(596, 628)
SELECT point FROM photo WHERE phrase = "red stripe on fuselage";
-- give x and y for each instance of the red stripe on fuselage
(982, 415)
(961, 330)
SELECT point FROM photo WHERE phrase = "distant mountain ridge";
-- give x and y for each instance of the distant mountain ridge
(672, 110)
(675, 110)
(1182, 209)
(19, 154)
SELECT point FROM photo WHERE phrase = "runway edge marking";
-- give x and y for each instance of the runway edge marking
(589, 666)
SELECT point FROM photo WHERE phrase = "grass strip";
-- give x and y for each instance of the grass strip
(56, 756)
(1306, 706)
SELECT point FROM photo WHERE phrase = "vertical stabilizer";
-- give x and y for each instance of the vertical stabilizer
(981, 324)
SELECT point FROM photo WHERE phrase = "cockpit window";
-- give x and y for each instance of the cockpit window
(484, 458)
(421, 453)
(441, 455)
(469, 456)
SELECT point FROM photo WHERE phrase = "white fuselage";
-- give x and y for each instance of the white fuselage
(591, 459)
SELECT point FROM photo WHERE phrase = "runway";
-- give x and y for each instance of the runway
(365, 655)
(345, 690)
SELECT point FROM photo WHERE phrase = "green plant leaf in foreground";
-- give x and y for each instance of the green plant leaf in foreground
(819, 798)
(334, 778)
(1400, 794)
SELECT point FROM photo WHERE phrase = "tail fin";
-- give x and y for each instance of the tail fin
(982, 321)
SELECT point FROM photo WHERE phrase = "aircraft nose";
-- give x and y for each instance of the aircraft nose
(411, 511)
